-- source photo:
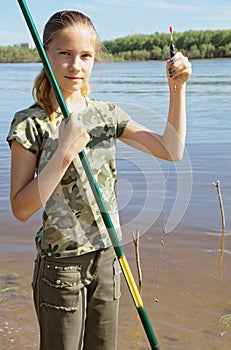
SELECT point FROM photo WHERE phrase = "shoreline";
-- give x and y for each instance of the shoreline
(128, 61)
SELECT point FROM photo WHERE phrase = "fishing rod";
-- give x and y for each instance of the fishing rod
(94, 186)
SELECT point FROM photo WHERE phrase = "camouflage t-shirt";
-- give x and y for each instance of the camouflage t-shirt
(72, 222)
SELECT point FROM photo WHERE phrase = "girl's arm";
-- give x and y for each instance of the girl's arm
(29, 193)
(170, 145)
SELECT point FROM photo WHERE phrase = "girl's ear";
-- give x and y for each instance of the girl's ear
(85, 90)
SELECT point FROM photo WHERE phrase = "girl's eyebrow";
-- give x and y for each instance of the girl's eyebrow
(63, 48)
(66, 49)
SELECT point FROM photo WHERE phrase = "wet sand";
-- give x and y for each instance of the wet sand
(182, 292)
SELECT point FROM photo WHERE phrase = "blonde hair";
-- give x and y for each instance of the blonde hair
(58, 22)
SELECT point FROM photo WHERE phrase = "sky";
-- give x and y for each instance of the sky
(118, 18)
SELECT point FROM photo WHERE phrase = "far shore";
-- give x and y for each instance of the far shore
(127, 61)
(195, 44)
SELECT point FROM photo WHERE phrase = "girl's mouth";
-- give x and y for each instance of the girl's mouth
(73, 78)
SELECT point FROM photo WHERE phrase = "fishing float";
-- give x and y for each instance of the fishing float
(172, 47)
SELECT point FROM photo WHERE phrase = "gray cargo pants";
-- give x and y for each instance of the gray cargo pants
(76, 301)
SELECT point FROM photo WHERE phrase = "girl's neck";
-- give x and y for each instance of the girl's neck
(75, 102)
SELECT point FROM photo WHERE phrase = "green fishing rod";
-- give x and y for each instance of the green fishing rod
(93, 184)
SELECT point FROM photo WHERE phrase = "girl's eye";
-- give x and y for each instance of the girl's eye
(87, 55)
(65, 53)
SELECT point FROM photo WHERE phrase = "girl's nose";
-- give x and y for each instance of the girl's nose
(75, 63)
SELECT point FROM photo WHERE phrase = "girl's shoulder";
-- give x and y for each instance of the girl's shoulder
(92, 102)
(108, 113)
(33, 112)
(30, 126)
(104, 107)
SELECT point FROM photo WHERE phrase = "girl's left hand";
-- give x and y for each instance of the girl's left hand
(178, 69)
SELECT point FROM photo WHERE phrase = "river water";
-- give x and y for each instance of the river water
(188, 302)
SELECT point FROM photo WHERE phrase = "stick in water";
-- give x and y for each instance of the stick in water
(220, 260)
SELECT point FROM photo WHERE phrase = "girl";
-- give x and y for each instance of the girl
(76, 277)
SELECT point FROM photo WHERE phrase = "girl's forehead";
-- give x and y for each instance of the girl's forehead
(76, 35)
(76, 32)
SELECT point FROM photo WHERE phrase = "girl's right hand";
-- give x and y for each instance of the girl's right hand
(28, 192)
(72, 138)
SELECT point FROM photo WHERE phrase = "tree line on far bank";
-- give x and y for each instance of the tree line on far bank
(142, 47)
(192, 43)
(16, 53)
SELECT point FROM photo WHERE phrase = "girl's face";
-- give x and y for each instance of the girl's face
(71, 54)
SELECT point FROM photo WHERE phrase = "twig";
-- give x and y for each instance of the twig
(217, 185)
(137, 250)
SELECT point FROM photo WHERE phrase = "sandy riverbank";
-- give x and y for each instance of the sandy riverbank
(182, 293)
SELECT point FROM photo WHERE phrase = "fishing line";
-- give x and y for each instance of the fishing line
(172, 52)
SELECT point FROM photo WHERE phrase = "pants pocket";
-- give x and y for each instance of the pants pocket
(60, 286)
(116, 276)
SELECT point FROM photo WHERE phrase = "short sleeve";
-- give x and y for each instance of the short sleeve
(24, 130)
(122, 120)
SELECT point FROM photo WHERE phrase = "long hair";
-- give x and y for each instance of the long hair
(58, 22)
